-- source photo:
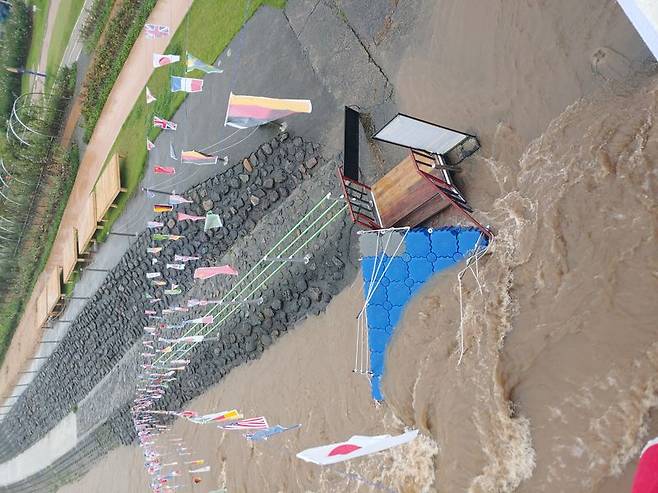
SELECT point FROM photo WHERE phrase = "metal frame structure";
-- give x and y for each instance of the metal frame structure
(447, 189)
(433, 167)
(18, 117)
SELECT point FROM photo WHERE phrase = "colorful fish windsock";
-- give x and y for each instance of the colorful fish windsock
(188, 217)
(164, 124)
(153, 31)
(208, 319)
(185, 258)
(160, 60)
(199, 462)
(208, 272)
(154, 224)
(176, 266)
(186, 340)
(153, 249)
(261, 435)
(259, 423)
(177, 200)
(253, 111)
(193, 63)
(164, 170)
(162, 208)
(357, 446)
(216, 417)
(163, 237)
(199, 158)
(149, 97)
(152, 275)
(186, 84)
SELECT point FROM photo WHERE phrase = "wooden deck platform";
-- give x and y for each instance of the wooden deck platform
(403, 197)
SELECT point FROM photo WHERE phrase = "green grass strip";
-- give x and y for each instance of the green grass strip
(67, 15)
(39, 19)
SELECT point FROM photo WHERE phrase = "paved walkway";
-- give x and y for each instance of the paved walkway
(53, 8)
(56, 443)
(76, 43)
(127, 89)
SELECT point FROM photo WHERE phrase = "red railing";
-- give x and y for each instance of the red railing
(357, 216)
(451, 194)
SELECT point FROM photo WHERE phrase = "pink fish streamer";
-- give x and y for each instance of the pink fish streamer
(188, 217)
(208, 272)
(177, 199)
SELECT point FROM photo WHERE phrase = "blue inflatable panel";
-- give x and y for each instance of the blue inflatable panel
(422, 255)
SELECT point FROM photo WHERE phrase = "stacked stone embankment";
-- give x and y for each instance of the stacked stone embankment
(296, 291)
(259, 199)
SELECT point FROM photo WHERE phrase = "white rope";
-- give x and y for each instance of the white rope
(220, 141)
(358, 358)
(387, 266)
(473, 259)
(221, 149)
(361, 319)
(376, 277)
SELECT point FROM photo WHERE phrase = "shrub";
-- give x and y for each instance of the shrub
(111, 54)
(97, 17)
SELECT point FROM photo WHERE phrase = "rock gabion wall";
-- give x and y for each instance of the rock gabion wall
(113, 319)
(295, 292)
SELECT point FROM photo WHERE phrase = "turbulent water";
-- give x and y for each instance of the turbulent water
(560, 370)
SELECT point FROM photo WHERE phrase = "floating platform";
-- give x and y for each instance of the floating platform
(397, 266)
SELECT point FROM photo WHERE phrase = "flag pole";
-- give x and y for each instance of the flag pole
(144, 189)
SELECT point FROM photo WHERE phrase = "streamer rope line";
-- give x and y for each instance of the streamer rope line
(250, 283)
(376, 278)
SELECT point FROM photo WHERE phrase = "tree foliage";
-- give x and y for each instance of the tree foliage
(14, 47)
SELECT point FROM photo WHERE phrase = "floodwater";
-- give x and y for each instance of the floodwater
(559, 379)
